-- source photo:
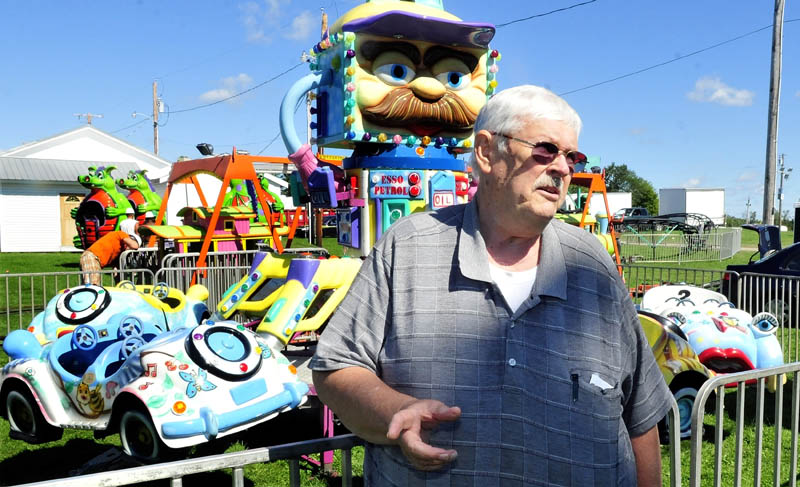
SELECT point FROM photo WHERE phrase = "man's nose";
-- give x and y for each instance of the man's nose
(560, 165)
(427, 87)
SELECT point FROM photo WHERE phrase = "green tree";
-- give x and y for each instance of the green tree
(620, 178)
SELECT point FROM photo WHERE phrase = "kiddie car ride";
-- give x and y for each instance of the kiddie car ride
(682, 370)
(160, 305)
(157, 387)
(725, 339)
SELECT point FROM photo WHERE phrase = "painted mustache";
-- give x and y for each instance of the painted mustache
(402, 107)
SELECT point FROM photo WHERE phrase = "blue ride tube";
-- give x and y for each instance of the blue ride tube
(305, 84)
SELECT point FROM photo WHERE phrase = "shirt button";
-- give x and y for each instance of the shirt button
(512, 362)
(513, 324)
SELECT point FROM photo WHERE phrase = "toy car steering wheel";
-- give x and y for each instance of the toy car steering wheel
(129, 345)
(127, 285)
(84, 337)
(161, 290)
(130, 326)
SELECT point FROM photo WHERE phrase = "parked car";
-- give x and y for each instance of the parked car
(627, 213)
(778, 295)
(159, 389)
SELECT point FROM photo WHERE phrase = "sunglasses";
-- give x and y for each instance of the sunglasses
(545, 152)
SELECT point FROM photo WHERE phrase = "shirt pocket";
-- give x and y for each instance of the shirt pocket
(596, 400)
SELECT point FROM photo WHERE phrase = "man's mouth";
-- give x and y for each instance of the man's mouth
(549, 189)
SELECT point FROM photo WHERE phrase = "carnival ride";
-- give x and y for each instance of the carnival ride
(405, 126)
(160, 387)
(100, 211)
(223, 228)
(605, 233)
(141, 193)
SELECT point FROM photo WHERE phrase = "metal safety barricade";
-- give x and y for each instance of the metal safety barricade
(750, 450)
(176, 471)
(22, 296)
(216, 279)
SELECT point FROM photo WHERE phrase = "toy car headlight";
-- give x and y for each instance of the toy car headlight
(226, 349)
(81, 304)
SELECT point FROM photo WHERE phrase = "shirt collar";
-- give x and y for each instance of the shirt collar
(473, 259)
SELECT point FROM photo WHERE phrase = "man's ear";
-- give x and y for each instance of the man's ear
(483, 149)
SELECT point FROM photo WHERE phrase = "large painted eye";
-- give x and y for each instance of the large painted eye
(764, 324)
(454, 80)
(395, 74)
(452, 73)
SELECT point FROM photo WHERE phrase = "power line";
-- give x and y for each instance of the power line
(672, 60)
(130, 126)
(241, 92)
(499, 26)
(270, 143)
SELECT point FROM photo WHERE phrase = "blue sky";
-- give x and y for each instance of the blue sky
(700, 121)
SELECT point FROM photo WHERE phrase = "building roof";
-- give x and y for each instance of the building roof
(82, 142)
(25, 169)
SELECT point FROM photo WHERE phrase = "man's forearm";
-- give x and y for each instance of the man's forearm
(647, 450)
(363, 402)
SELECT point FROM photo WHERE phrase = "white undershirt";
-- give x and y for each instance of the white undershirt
(515, 286)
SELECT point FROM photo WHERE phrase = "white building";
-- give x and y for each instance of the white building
(39, 185)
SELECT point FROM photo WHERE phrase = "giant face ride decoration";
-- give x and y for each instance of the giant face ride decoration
(400, 83)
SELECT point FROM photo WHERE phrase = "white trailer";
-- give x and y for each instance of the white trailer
(705, 201)
(616, 201)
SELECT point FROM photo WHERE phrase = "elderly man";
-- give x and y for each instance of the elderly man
(489, 342)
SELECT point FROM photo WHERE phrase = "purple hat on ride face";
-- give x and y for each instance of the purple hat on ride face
(421, 20)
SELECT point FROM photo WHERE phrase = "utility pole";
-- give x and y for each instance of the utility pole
(781, 171)
(747, 215)
(772, 120)
(88, 116)
(155, 119)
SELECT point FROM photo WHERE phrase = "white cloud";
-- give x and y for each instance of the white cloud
(230, 86)
(747, 176)
(263, 20)
(713, 90)
(302, 26)
(691, 183)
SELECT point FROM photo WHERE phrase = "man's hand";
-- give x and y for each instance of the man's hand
(410, 428)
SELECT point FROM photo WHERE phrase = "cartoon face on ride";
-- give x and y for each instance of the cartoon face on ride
(725, 339)
(400, 72)
(159, 389)
(426, 89)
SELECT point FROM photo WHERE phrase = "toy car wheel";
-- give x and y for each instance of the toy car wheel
(25, 418)
(84, 337)
(161, 290)
(139, 437)
(685, 398)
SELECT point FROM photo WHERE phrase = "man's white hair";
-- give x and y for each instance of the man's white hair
(510, 110)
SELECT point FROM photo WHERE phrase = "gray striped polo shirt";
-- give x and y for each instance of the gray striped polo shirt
(550, 395)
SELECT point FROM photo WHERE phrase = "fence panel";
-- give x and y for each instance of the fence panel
(216, 279)
(176, 471)
(641, 278)
(22, 296)
(716, 388)
(779, 295)
(720, 244)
